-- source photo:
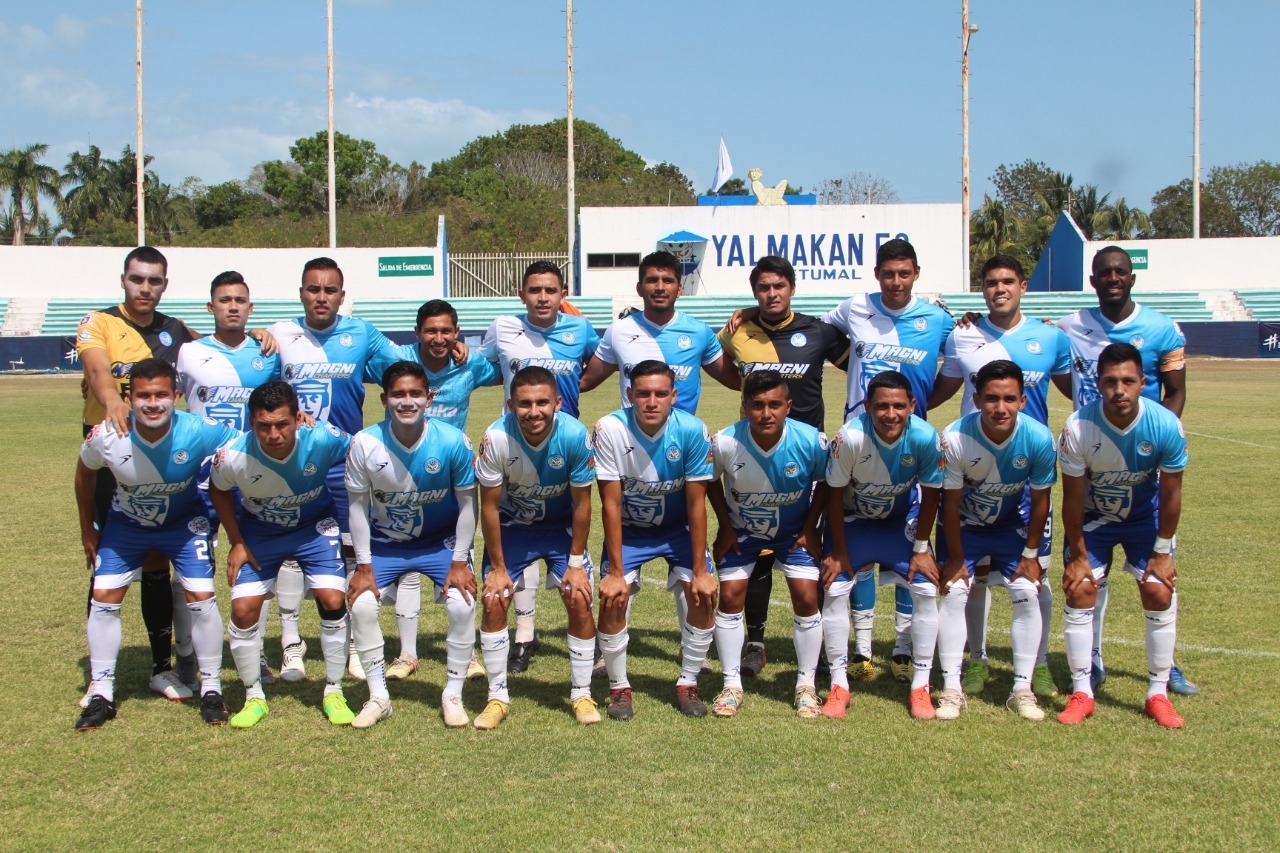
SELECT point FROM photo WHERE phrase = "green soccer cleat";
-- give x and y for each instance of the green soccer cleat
(975, 677)
(251, 714)
(336, 709)
(1042, 682)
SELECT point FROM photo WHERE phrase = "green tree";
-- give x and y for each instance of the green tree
(91, 180)
(1235, 201)
(25, 179)
(1125, 223)
(734, 186)
(222, 204)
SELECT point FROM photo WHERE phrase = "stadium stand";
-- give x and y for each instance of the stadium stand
(4, 306)
(474, 313)
(1178, 305)
(63, 315)
(1262, 304)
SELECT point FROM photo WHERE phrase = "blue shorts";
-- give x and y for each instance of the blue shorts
(124, 548)
(1001, 546)
(642, 544)
(1136, 538)
(522, 546)
(316, 547)
(202, 486)
(394, 560)
(794, 562)
(887, 542)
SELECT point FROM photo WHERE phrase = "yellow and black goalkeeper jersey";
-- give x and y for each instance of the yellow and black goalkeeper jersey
(797, 348)
(126, 343)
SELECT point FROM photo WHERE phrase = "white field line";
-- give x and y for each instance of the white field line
(1232, 440)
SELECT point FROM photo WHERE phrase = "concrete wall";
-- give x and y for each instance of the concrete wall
(1219, 263)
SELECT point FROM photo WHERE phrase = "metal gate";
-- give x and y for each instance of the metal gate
(493, 274)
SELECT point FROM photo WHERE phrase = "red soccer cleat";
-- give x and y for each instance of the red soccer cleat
(1161, 710)
(921, 704)
(1079, 708)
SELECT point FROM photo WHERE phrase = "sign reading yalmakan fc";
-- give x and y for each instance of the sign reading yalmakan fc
(407, 265)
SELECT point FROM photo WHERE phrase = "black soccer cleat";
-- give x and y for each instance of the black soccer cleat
(753, 659)
(213, 708)
(518, 657)
(100, 710)
(620, 706)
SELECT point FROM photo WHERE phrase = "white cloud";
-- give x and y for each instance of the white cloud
(70, 30)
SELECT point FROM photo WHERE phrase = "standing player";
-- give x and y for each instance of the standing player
(412, 493)
(797, 346)
(884, 475)
(1118, 319)
(280, 469)
(1043, 353)
(1122, 460)
(156, 507)
(653, 464)
(766, 468)
(993, 456)
(535, 472)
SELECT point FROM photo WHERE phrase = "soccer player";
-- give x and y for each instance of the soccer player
(1044, 354)
(884, 474)
(1118, 319)
(535, 472)
(663, 334)
(992, 457)
(766, 468)
(796, 345)
(412, 494)
(1122, 459)
(156, 508)
(280, 468)
(562, 343)
(653, 464)
(326, 357)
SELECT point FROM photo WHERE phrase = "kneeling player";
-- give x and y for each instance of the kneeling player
(876, 514)
(1122, 460)
(411, 479)
(156, 507)
(280, 469)
(992, 455)
(653, 465)
(764, 497)
(535, 471)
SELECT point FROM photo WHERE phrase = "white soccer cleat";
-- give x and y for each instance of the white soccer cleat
(354, 668)
(168, 685)
(373, 712)
(293, 667)
(1024, 704)
(950, 704)
(455, 716)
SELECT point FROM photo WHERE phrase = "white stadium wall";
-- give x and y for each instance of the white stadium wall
(1208, 264)
(833, 247)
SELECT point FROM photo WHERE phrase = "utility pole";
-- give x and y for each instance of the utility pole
(966, 31)
(333, 172)
(1195, 137)
(140, 168)
(572, 219)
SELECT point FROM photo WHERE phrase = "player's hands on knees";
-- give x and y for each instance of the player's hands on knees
(498, 588)
(811, 542)
(90, 542)
(362, 581)
(575, 584)
(832, 566)
(238, 556)
(953, 572)
(614, 590)
(924, 564)
(1029, 568)
(1161, 567)
(118, 415)
(1076, 575)
(726, 541)
(463, 579)
(702, 590)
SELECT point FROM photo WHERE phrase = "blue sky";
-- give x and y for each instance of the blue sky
(805, 90)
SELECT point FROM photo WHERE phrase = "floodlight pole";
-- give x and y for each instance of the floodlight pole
(140, 167)
(966, 31)
(572, 186)
(1195, 136)
(333, 172)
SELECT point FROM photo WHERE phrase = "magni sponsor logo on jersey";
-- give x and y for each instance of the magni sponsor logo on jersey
(410, 498)
(558, 366)
(871, 351)
(682, 371)
(233, 394)
(755, 500)
(322, 370)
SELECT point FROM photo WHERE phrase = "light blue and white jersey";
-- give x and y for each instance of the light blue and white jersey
(769, 492)
(156, 483)
(512, 343)
(994, 476)
(653, 471)
(1041, 350)
(535, 481)
(289, 492)
(1159, 339)
(1121, 466)
(328, 368)
(879, 479)
(411, 489)
(908, 340)
(217, 379)
(453, 385)
(686, 344)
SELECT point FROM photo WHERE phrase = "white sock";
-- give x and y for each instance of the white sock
(182, 641)
(333, 646)
(290, 586)
(525, 603)
(807, 635)
(730, 631)
(694, 644)
(835, 630)
(263, 617)
(863, 620)
(1025, 631)
(1099, 616)
(682, 607)
(246, 651)
(494, 646)
(1162, 634)
(1045, 597)
(613, 648)
(902, 600)
(460, 641)
(367, 636)
(408, 606)
(582, 653)
(1077, 633)
(104, 648)
(977, 613)
(952, 621)
(924, 632)
(206, 636)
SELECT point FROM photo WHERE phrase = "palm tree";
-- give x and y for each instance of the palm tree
(162, 208)
(26, 178)
(1090, 212)
(1125, 222)
(90, 176)
(993, 229)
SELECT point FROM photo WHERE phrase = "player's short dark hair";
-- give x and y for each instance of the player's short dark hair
(652, 367)
(542, 268)
(225, 278)
(760, 381)
(1109, 250)
(775, 265)
(323, 263)
(146, 255)
(270, 396)
(659, 261)
(1004, 262)
(435, 308)
(533, 374)
(1001, 368)
(896, 250)
(403, 368)
(153, 368)
(890, 379)
(1117, 354)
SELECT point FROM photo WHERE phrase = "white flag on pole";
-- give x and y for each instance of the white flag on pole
(724, 169)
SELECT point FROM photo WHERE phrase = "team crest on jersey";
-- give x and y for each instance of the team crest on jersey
(1137, 341)
(569, 337)
(180, 457)
(684, 342)
(908, 460)
(345, 340)
(86, 319)
(921, 324)
(309, 469)
(792, 469)
(673, 453)
(258, 364)
(333, 429)
(556, 461)
(327, 527)
(86, 335)
(433, 465)
(799, 339)
(1033, 347)
(166, 339)
(1019, 461)
(1146, 448)
(199, 525)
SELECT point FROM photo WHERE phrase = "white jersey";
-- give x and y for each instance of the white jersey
(685, 343)
(769, 492)
(653, 470)
(217, 379)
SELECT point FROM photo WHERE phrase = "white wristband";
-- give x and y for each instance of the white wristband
(576, 561)
(1030, 553)
(920, 546)
(1162, 546)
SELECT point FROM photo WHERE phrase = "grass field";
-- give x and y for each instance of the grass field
(157, 777)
